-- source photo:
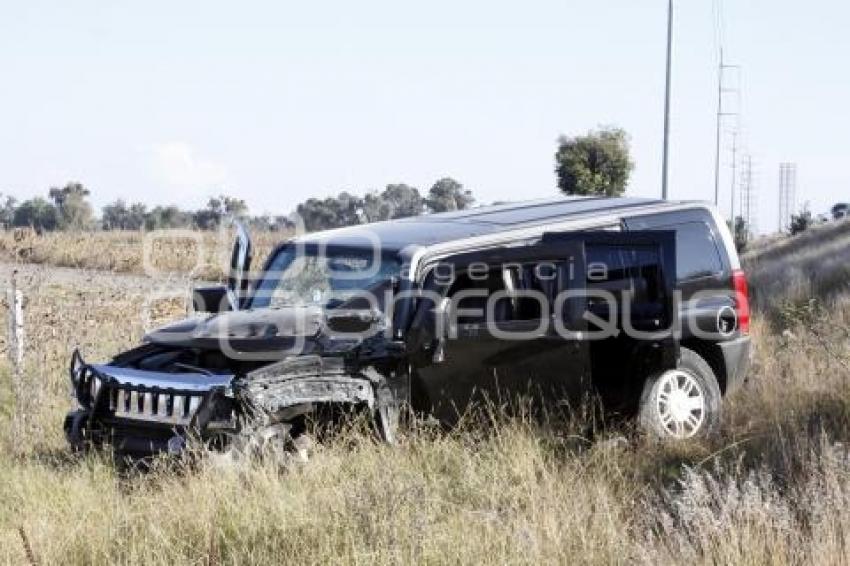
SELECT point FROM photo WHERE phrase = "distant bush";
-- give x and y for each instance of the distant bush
(801, 222)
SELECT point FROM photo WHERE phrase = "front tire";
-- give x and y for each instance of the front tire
(681, 403)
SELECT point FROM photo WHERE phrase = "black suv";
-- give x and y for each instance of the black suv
(640, 301)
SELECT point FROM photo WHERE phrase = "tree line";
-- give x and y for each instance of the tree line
(68, 208)
(597, 163)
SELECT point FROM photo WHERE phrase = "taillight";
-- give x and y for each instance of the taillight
(742, 300)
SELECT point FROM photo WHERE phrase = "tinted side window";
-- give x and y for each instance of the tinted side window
(616, 269)
(696, 250)
(473, 308)
(521, 285)
(606, 272)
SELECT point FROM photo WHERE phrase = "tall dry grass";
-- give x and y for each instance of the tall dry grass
(772, 488)
(815, 263)
(203, 254)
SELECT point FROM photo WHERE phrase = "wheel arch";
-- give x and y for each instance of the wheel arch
(710, 352)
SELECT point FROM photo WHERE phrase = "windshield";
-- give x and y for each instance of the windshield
(304, 277)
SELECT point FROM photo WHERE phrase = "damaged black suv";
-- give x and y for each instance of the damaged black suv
(635, 300)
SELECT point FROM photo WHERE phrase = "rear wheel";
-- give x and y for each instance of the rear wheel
(681, 403)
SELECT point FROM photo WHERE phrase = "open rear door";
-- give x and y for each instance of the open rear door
(503, 332)
(631, 295)
(240, 265)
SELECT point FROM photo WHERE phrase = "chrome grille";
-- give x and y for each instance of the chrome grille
(158, 406)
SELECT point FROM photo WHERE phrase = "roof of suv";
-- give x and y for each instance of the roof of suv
(431, 229)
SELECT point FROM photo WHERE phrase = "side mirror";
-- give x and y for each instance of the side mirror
(215, 299)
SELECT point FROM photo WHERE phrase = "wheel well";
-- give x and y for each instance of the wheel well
(711, 353)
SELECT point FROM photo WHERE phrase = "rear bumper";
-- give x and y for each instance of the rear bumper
(736, 360)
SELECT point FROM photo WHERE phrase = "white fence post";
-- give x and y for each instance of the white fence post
(16, 327)
(16, 356)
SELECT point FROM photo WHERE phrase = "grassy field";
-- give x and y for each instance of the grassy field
(176, 252)
(772, 488)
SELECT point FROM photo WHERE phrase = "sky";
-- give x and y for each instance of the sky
(275, 102)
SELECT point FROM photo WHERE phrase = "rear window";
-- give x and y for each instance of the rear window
(696, 250)
(616, 269)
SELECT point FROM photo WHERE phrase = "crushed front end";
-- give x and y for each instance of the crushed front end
(144, 411)
(146, 401)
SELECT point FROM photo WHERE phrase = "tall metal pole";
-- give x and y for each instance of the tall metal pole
(734, 166)
(717, 133)
(667, 101)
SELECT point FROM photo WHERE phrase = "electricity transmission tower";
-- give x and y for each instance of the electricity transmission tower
(723, 88)
(748, 194)
(787, 194)
(733, 176)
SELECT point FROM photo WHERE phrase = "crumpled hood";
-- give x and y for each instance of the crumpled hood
(250, 330)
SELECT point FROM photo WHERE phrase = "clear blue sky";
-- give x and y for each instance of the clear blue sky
(169, 102)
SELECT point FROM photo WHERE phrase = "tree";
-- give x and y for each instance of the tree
(396, 201)
(37, 213)
(332, 212)
(402, 201)
(840, 210)
(73, 208)
(348, 210)
(802, 221)
(119, 216)
(217, 208)
(594, 164)
(447, 194)
(741, 233)
(269, 223)
(375, 208)
(166, 217)
(234, 207)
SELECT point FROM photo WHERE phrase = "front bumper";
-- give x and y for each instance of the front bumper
(144, 412)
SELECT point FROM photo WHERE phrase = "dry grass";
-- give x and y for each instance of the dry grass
(813, 264)
(180, 252)
(772, 488)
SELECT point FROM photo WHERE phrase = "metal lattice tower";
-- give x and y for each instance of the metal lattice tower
(725, 86)
(787, 194)
(748, 194)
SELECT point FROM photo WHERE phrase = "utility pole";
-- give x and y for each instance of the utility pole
(665, 158)
(734, 167)
(721, 89)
